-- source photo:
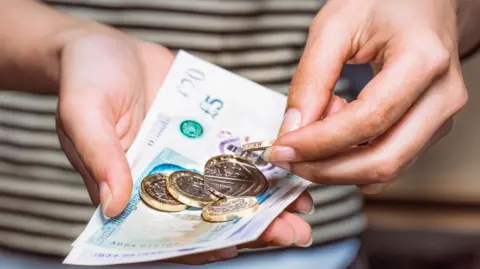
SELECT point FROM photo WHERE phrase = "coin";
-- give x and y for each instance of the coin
(189, 188)
(229, 209)
(233, 176)
(261, 145)
(153, 191)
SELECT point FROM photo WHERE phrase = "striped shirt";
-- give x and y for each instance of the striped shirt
(43, 203)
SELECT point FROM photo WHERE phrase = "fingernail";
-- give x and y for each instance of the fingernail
(105, 197)
(306, 245)
(311, 211)
(289, 243)
(283, 165)
(291, 121)
(306, 209)
(279, 154)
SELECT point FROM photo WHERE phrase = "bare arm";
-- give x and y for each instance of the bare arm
(32, 36)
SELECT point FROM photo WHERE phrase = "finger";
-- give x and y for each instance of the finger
(286, 230)
(386, 156)
(381, 103)
(206, 257)
(303, 204)
(380, 187)
(279, 233)
(327, 49)
(336, 104)
(302, 230)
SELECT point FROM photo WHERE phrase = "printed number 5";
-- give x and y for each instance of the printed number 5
(211, 107)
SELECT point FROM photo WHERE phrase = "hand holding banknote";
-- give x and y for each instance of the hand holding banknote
(107, 86)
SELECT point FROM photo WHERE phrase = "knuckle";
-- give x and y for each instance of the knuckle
(438, 59)
(434, 56)
(456, 101)
(461, 100)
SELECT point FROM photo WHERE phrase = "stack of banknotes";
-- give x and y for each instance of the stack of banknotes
(201, 111)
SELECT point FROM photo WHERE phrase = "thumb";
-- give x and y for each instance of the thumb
(94, 139)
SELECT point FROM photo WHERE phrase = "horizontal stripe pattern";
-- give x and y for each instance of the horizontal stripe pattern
(207, 7)
(196, 22)
(43, 202)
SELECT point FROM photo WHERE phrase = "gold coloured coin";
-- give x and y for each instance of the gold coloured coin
(229, 209)
(188, 187)
(233, 176)
(261, 145)
(153, 191)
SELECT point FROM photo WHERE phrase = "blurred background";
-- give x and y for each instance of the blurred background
(428, 218)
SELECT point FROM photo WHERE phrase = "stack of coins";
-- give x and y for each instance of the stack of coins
(226, 191)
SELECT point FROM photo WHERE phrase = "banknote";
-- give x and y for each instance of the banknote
(86, 256)
(200, 111)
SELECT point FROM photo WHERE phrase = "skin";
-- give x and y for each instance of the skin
(106, 81)
(406, 108)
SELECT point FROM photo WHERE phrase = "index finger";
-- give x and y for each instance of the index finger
(327, 49)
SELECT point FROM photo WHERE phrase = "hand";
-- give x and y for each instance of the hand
(405, 109)
(107, 84)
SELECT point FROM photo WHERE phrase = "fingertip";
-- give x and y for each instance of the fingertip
(336, 105)
(303, 204)
(292, 120)
(307, 244)
(279, 233)
(120, 186)
(301, 228)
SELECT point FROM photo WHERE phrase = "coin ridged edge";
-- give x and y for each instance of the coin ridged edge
(231, 216)
(153, 202)
(182, 198)
(259, 145)
(229, 156)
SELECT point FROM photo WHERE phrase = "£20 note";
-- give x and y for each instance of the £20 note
(201, 110)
